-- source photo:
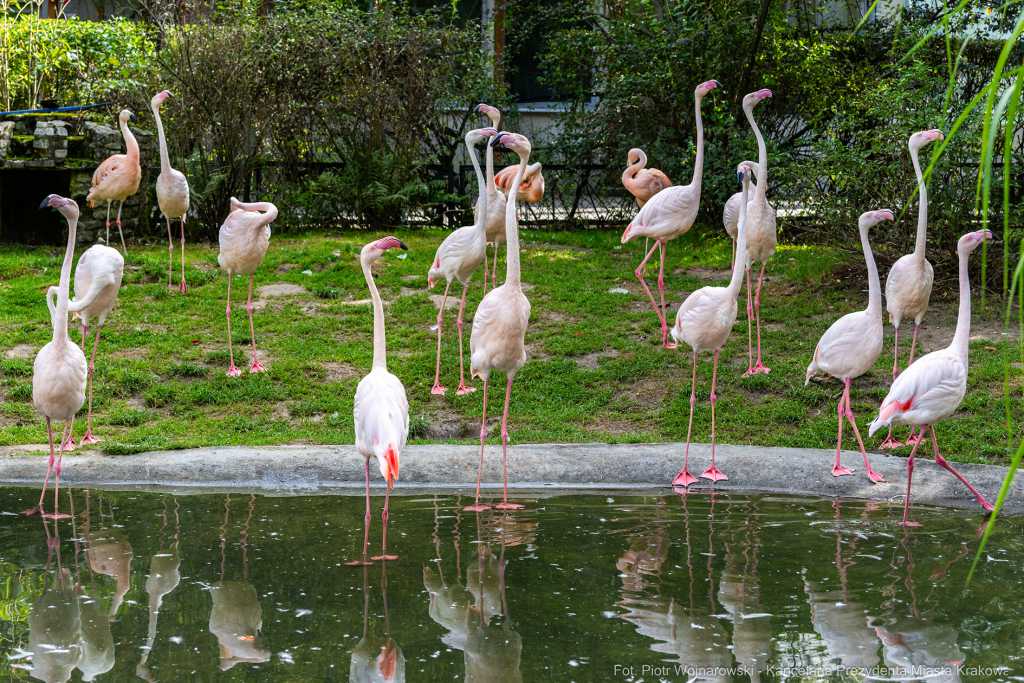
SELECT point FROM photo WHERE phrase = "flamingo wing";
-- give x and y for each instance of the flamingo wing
(109, 166)
(849, 343)
(676, 200)
(935, 384)
(381, 414)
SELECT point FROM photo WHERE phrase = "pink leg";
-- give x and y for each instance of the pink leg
(56, 481)
(89, 438)
(910, 474)
(384, 539)
(494, 271)
(941, 462)
(837, 469)
(476, 506)
(182, 287)
(759, 366)
(170, 256)
(684, 478)
(366, 522)
(39, 508)
(750, 328)
(438, 389)
(232, 371)
(664, 313)
(712, 472)
(256, 367)
(504, 504)
(120, 206)
(463, 389)
(896, 355)
(872, 475)
(640, 276)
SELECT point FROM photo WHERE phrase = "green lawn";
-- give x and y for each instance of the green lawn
(595, 370)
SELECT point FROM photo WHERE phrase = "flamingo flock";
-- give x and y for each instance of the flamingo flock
(925, 393)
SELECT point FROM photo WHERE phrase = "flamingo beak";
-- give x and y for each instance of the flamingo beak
(46, 201)
(717, 84)
(739, 177)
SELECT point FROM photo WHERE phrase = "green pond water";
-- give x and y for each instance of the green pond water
(587, 587)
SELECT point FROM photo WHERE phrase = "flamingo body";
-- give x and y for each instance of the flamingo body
(731, 212)
(245, 237)
(118, 177)
(499, 332)
(97, 282)
(642, 182)
(909, 288)
(531, 189)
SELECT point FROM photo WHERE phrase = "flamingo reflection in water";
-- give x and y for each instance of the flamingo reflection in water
(376, 659)
(236, 617)
(164, 575)
(107, 551)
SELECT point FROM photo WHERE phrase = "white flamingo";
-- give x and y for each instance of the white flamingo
(59, 372)
(852, 345)
(704, 321)
(909, 284)
(761, 233)
(932, 389)
(244, 239)
(494, 209)
(381, 410)
(731, 214)
(670, 213)
(171, 192)
(498, 339)
(458, 257)
(118, 177)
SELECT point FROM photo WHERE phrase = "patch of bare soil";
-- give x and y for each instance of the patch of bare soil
(409, 291)
(281, 412)
(561, 318)
(410, 278)
(709, 274)
(937, 332)
(339, 371)
(26, 449)
(287, 267)
(450, 302)
(23, 351)
(137, 353)
(647, 393)
(447, 424)
(281, 289)
(534, 351)
(592, 361)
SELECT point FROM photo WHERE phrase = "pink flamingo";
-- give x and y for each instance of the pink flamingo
(704, 321)
(909, 285)
(731, 214)
(494, 210)
(171, 192)
(932, 389)
(498, 339)
(642, 182)
(244, 239)
(761, 233)
(852, 345)
(381, 411)
(670, 213)
(530, 190)
(458, 257)
(97, 282)
(59, 371)
(117, 178)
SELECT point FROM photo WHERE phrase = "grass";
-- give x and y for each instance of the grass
(596, 371)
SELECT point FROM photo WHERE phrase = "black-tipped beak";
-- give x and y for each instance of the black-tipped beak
(45, 202)
(133, 119)
(402, 245)
(476, 109)
(739, 178)
(717, 84)
(170, 94)
(497, 140)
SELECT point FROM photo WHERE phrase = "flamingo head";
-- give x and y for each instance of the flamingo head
(475, 136)
(706, 87)
(972, 240)
(870, 218)
(389, 465)
(634, 156)
(513, 141)
(160, 98)
(125, 116)
(492, 113)
(754, 98)
(922, 138)
(67, 207)
(374, 250)
(744, 172)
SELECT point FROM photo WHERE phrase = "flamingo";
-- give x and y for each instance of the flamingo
(494, 209)
(244, 239)
(498, 339)
(761, 233)
(171, 192)
(909, 285)
(164, 576)
(704, 321)
(852, 345)
(376, 658)
(381, 410)
(457, 258)
(59, 372)
(117, 178)
(97, 282)
(731, 214)
(670, 213)
(530, 190)
(642, 182)
(931, 389)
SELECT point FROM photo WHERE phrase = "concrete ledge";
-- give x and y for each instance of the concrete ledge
(289, 469)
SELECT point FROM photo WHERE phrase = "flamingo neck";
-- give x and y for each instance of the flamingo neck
(60, 317)
(165, 162)
(492, 189)
(874, 288)
(130, 143)
(633, 169)
(962, 337)
(741, 242)
(512, 274)
(698, 166)
(481, 218)
(380, 359)
(268, 214)
(922, 211)
(762, 156)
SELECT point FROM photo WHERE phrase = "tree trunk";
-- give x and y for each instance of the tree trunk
(752, 55)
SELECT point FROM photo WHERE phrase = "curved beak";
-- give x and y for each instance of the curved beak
(133, 119)
(739, 177)
(169, 93)
(717, 84)
(497, 140)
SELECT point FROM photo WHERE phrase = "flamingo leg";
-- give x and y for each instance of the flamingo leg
(366, 523)
(170, 256)
(837, 469)
(872, 475)
(910, 474)
(256, 367)
(712, 472)
(750, 329)
(759, 366)
(640, 276)
(39, 508)
(476, 506)
(182, 287)
(896, 355)
(56, 480)
(120, 205)
(684, 478)
(664, 313)
(108, 223)
(941, 462)
(233, 371)
(438, 389)
(89, 438)
(463, 389)
(504, 504)
(384, 516)
(913, 345)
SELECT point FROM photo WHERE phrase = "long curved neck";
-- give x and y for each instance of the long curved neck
(922, 210)
(963, 320)
(380, 359)
(165, 162)
(874, 288)
(698, 166)
(130, 143)
(762, 156)
(512, 275)
(60, 320)
(631, 171)
(481, 215)
(268, 211)
(741, 243)
(491, 189)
